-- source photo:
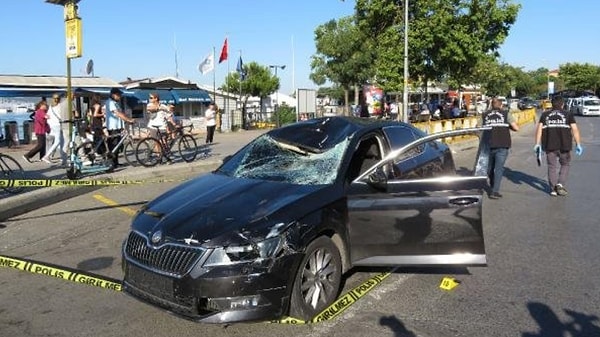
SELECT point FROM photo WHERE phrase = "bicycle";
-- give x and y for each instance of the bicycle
(150, 151)
(10, 169)
(95, 156)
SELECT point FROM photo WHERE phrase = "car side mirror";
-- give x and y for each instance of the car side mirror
(378, 179)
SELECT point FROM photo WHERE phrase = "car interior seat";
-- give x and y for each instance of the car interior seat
(371, 157)
(367, 154)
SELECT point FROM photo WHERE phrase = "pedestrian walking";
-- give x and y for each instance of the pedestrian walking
(97, 120)
(40, 128)
(554, 135)
(211, 122)
(56, 132)
(501, 121)
(115, 119)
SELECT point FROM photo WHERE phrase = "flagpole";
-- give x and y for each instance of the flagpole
(214, 80)
(226, 99)
(176, 61)
(241, 71)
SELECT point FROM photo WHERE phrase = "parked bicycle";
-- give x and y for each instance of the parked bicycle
(95, 157)
(151, 151)
(10, 169)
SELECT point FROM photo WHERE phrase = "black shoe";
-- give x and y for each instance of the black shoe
(495, 195)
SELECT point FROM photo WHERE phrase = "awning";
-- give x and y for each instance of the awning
(104, 92)
(28, 91)
(190, 95)
(166, 97)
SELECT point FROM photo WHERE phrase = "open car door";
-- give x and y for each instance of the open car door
(415, 208)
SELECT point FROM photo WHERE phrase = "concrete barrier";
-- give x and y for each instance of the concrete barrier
(521, 116)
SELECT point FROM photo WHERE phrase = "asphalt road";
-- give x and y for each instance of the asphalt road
(542, 277)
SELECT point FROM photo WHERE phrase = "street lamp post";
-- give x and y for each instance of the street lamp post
(405, 92)
(73, 37)
(276, 110)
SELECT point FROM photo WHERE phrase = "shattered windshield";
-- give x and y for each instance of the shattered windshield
(269, 159)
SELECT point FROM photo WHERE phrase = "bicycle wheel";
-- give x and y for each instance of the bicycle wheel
(187, 148)
(11, 170)
(147, 152)
(129, 152)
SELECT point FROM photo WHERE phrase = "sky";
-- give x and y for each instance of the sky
(152, 38)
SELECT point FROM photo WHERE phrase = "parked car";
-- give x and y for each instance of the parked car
(527, 103)
(584, 106)
(274, 228)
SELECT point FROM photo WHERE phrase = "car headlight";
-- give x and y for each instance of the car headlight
(229, 255)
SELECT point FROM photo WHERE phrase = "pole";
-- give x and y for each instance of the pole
(69, 91)
(214, 80)
(405, 93)
(241, 103)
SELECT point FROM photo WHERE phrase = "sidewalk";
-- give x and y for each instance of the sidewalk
(33, 198)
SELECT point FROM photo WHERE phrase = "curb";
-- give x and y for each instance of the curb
(28, 201)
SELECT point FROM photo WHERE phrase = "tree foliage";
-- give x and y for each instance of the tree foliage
(447, 40)
(579, 76)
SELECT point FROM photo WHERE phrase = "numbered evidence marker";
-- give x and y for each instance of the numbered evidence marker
(448, 283)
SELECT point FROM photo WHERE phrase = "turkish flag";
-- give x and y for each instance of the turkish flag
(224, 52)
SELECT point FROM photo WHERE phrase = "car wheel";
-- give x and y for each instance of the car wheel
(317, 280)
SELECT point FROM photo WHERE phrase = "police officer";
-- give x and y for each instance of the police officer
(554, 135)
(501, 121)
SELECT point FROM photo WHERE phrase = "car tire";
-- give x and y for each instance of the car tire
(318, 279)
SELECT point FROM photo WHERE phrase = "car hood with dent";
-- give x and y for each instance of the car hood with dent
(217, 210)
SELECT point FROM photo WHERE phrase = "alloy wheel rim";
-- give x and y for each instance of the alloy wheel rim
(318, 278)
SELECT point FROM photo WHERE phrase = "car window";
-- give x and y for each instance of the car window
(399, 136)
(368, 153)
(592, 102)
(405, 165)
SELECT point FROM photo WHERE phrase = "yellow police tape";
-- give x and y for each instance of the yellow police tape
(4, 183)
(61, 273)
(336, 308)
(342, 303)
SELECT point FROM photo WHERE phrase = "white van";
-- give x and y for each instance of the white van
(585, 106)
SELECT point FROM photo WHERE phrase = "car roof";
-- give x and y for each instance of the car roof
(321, 134)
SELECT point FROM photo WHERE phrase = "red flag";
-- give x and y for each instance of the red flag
(224, 52)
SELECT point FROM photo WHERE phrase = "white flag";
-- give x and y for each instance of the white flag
(208, 64)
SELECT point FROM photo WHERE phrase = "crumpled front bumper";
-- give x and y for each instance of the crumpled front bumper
(242, 292)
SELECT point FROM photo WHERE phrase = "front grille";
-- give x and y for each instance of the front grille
(172, 259)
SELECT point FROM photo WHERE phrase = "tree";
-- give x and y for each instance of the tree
(341, 56)
(258, 82)
(579, 76)
(447, 38)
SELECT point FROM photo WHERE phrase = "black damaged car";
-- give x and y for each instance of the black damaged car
(271, 231)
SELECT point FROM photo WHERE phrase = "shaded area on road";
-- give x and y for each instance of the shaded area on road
(580, 325)
(520, 178)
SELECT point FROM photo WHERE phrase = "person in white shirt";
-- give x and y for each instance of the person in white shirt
(211, 122)
(54, 119)
(158, 115)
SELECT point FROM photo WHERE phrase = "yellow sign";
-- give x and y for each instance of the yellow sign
(73, 37)
(448, 283)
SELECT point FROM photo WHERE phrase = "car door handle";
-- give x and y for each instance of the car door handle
(464, 201)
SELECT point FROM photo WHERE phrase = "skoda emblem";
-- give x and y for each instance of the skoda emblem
(156, 237)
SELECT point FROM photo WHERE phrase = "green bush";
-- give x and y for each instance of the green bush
(285, 115)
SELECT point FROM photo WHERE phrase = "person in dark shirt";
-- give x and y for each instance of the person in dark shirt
(554, 135)
(501, 122)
